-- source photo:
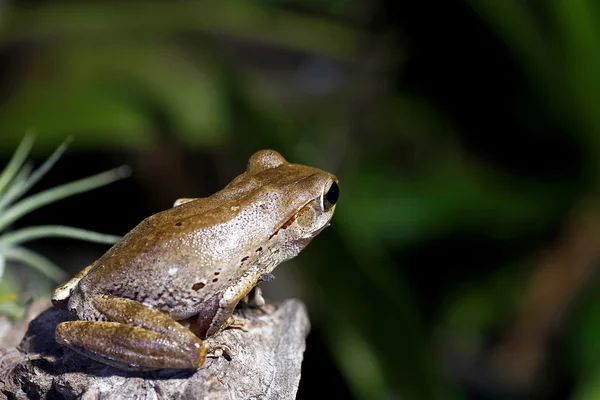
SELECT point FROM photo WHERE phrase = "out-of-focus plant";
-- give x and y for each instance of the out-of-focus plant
(408, 181)
(15, 180)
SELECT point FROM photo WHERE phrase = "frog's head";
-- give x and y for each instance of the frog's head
(303, 197)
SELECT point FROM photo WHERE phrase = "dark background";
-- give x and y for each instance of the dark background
(461, 259)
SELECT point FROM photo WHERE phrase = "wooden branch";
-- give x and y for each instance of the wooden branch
(265, 364)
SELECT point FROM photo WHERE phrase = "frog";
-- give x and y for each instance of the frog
(156, 296)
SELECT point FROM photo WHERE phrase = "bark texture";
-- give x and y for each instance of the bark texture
(265, 364)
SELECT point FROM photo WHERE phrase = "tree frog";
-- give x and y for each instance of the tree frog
(176, 278)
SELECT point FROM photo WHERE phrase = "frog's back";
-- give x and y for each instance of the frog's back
(168, 261)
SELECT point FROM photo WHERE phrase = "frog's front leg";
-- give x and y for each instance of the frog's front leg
(222, 314)
(134, 337)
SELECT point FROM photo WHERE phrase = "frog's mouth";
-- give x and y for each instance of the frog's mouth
(317, 231)
(294, 218)
(285, 225)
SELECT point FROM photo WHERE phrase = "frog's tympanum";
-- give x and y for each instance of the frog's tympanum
(177, 277)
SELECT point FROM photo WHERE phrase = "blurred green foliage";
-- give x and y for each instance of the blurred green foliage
(15, 180)
(322, 83)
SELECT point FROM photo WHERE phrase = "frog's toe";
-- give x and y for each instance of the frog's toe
(238, 323)
(220, 350)
(257, 299)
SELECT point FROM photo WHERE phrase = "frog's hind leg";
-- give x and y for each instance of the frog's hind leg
(134, 337)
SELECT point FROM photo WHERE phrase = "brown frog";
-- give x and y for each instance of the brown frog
(194, 263)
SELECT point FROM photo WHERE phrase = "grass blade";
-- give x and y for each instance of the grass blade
(11, 309)
(60, 192)
(17, 182)
(17, 160)
(36, 261)
(12, 195)
(44, 231)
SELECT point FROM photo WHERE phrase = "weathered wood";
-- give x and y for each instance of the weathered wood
(265, 364)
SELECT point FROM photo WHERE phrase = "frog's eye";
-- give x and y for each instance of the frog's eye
(331, 196)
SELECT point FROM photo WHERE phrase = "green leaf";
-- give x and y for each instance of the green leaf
(59, 192)
(588, 389)
(16, 162)
(36, 261)
(36, 232)
(26, 181)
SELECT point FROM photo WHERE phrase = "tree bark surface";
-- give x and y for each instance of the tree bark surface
(264, 364)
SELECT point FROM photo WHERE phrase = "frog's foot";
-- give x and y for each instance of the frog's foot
(128, 339)
(238, 323)
(257, 299)
(219, 350)
(254, 299)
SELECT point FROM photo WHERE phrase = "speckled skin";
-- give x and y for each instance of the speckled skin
(194, 261)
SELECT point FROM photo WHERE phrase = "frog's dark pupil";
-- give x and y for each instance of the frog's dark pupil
(333, 193)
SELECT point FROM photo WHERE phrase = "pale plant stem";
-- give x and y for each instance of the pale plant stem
(59, 192)
(36, 261)
(2, 266)
(44, 231)
(17, 160)
(16, 183)
(17, 191)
